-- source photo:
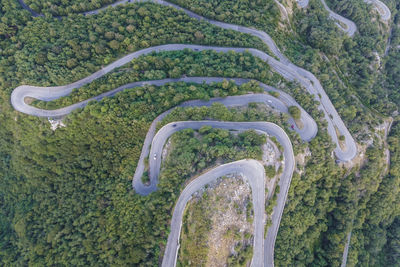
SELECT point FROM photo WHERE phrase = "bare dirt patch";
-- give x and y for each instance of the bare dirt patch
(217, 224)
(54, 124)
(270, 153)
(299, 123)
(28, 100)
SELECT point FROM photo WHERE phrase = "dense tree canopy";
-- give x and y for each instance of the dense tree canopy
(66, 195)
(74, 47)
(59, 7)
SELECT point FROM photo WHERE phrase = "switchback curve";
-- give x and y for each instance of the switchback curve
(281, 103)
(350, 28)
(254, 173)
(306, 78)
(270, 128)
(382, 9)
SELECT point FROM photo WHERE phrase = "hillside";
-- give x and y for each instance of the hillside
(114, 113)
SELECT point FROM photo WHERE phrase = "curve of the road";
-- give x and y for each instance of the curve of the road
(350, 27)
(50, 93)
(263, 251)
(291, 72)
(254, 172)
(382, 9)
(287, 69)
(281, 103)
(283, 66)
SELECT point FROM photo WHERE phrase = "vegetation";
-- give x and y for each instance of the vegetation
(174, 65)
(81, 175)
(391, 69)
(194, 248)
(271, 203)
(305, 43)
(66, 196)
(375, 237)
(194, 154)
(390, 255)
(57, 7)
(215, 223)
(217, 111)
(310, 200)
(360, 58)
(295, 112)
(270, 171)
(243, 255)
(257, 13)
(349, 67)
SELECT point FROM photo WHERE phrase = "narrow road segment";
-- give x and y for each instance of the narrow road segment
(346, 250)
(350, 27)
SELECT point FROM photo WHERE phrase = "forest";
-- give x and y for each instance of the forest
(173, 64)
(74, 47)
(59, 7)
(66, 195)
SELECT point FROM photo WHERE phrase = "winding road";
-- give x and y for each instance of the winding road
(281, 103)
(260, 255)
(50, 93)
(346, 250)
(283, 66)
(382, 9)
(350, 27)
(307, 133)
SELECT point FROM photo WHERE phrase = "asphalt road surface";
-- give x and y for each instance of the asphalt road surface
(287, 71)
(281, 103)
(346, 250)
(302, 3)
(267, 256)
(307, 133)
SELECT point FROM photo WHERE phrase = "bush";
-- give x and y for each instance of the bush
(295, 112)
(270, 171)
